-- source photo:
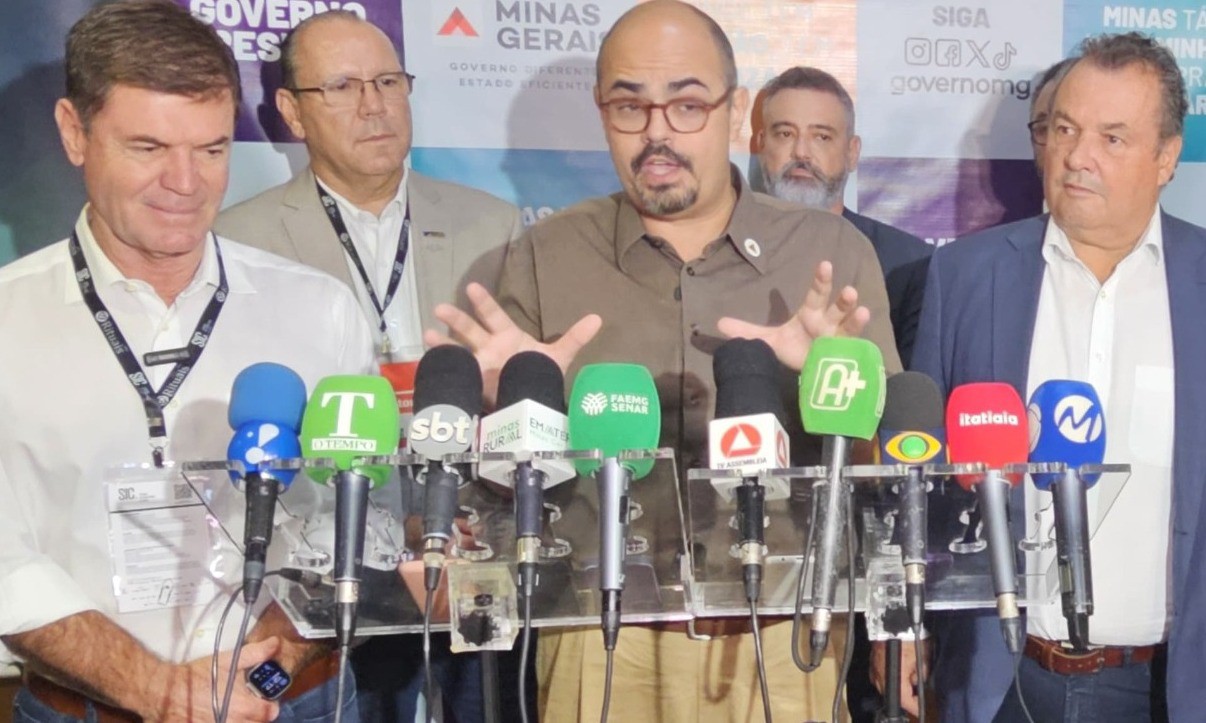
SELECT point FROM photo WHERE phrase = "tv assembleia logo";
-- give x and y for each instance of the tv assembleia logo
(1079, 419)
(838, 383)
(594, 404)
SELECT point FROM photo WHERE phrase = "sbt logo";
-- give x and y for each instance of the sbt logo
(442, 423)
(838, 383)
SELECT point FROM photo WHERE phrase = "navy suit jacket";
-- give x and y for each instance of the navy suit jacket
(977, 325)
(904, 259)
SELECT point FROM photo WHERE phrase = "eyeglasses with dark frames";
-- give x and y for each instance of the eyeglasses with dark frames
(1038, 131)
(683, 115)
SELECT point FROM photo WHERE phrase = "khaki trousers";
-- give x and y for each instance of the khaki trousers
(663, 676)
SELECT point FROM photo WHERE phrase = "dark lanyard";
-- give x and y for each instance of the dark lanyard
(184, 358)
(395, 275)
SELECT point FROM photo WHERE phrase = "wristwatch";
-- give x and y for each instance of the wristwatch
(268, 680)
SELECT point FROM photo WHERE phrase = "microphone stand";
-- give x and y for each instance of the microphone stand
(891, 712)
(491, 703)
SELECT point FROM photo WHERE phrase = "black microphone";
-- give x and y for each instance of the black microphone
(748, 405)
(911, 433)
(447, 402)
(531, 404)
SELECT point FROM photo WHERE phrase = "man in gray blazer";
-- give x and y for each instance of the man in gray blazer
(346, 96)
(404, 243)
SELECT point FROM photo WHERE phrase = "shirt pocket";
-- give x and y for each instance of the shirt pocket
(1152, 414)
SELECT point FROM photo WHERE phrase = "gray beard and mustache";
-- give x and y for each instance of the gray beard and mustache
(820, 191)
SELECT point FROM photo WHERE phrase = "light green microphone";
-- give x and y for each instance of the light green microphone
(841, 398)
(612, 408)
(350, 417)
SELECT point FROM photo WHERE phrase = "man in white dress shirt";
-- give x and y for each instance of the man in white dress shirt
(149, 117)
(1106, 290)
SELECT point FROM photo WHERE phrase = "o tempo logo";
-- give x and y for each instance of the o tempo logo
(1078, 419)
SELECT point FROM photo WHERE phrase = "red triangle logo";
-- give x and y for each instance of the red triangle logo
(457, 22)
(740, 440)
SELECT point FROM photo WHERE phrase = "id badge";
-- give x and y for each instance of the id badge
(160, 543)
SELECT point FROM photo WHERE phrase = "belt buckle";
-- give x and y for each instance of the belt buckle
(1089, 663)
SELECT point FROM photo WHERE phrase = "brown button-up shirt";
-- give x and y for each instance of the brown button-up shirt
(660, 311)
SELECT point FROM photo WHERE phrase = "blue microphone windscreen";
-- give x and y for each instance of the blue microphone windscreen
(268, 393)
(1067, 424)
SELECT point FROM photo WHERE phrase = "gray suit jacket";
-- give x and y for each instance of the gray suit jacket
(458, 234)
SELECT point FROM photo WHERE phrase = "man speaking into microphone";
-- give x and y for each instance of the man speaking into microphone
(645, 276)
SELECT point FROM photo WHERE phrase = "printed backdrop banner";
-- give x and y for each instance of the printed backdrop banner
(503, 99)
(254, 30)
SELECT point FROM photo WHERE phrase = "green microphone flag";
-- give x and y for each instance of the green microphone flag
(842, 388)
(349, 417)
(614, 407)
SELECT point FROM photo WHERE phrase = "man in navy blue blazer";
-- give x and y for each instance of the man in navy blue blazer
(1111, 290)
(807, 149)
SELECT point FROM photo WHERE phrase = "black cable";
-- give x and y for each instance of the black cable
(848, 652)
(219, 712)
(428, 676)
(339, 687)
(523, 658)
(213, 660)
(799, 610)
(234, 664)
(920, 667)
(1017, 687)
(766, 706)
(611, 655)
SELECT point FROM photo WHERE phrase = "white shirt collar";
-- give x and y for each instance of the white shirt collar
(106, 274)
(396, 205)
(1055, 241)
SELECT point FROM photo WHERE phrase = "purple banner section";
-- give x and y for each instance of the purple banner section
(940, 199)
(254, 30)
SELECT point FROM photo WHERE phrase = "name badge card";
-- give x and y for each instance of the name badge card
(160, 542)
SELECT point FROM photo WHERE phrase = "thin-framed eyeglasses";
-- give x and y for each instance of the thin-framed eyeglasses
(683, 115)
(1038, 131)
(345, 92)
